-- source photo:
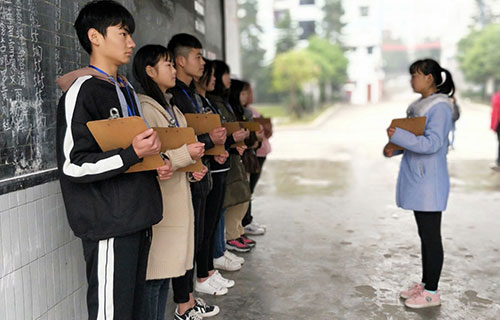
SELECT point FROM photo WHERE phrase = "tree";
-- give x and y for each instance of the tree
(479, 54)
(250, 37)
(291, 70)
(287, 33)
(331, 23)
(331, 62)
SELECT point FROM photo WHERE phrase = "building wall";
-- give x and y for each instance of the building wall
(42, 271)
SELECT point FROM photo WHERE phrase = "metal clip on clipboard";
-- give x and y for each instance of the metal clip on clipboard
(114, 113)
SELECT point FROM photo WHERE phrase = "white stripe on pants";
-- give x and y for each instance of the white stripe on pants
(105, 278)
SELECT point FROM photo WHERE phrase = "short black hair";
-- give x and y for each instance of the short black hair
(100, 15)
(430, 66)
(182, 43)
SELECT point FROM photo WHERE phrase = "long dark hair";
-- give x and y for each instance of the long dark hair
(220, 68)
(430, 66)
(150, 55)
(237, 86)
(207, 72)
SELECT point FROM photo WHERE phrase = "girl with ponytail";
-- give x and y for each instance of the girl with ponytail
(423, 182)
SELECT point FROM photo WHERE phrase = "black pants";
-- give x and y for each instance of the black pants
(213, 210)
(183, 285)
(498, 135)
(116, 274)
(254, 178)
(429, 230)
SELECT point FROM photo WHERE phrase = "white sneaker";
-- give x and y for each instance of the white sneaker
(227, 283)
(263, 226)
(254, 229)
(231, 256)
(224, 263)
(210, 286)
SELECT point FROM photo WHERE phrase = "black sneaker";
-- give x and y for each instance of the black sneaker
(190, 314)
(204, 309)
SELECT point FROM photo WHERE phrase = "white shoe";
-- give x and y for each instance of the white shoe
(254, 229)
(210, 286)
(263, 226)
(231, 256)
(227, 283)
(224, 263)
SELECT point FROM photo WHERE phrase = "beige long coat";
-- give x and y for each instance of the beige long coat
(172, 249)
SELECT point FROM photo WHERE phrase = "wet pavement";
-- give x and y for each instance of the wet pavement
(337, 247)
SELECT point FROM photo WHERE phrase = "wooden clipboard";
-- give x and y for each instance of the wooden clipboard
(414, 125)
(232, 127)
(118, 133)
(267, 124)
(204, 123)
(173, 138)
(250, 125)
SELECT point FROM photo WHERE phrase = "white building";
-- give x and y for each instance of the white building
(362, 35)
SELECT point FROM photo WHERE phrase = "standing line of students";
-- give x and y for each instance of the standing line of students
(140, 230)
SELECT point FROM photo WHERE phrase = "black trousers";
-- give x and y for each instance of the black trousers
(183, 285)
(116, 274)
(213, 210)
(254, 178)
(429, 230)
(498, 135)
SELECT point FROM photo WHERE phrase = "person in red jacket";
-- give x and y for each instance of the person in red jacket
(495, 119)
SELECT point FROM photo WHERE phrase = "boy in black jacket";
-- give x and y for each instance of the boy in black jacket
(189, 63)
(110, 210)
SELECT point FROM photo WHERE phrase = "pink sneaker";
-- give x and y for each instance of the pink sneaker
(424, 299)
(416, 288)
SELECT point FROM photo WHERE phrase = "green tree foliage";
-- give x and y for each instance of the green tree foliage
(250, 37)
(330, 59)
(479, 54)
(291, 70)
(287, 33)
(331, 23)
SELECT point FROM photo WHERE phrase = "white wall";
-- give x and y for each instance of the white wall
(42, 271)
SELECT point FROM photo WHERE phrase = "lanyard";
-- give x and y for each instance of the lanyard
(210, 105)
(131, 110)
(193, 102)
(229, 107)
(173, 118)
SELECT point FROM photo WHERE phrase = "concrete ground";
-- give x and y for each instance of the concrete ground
(337, 247)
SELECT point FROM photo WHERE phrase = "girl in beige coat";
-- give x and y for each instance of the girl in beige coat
(172, 247)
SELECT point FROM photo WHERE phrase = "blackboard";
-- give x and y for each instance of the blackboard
(38, 44)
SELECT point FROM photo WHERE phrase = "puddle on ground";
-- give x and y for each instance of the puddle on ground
(305, 177)
(473, 175)
(366, 291)
(471, 297)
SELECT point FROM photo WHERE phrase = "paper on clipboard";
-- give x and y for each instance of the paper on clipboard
(204, 123)
(173, 138)
(413, 125)
(118, 133)
(232, 127)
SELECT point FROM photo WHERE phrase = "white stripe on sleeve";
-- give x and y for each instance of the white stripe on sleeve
(71, 169)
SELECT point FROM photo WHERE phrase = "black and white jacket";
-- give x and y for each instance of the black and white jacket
(102, 201)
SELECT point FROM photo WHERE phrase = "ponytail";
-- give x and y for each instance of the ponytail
(430, 66)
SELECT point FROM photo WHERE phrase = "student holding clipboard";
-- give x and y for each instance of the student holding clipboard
(423, 182)
(172, 247)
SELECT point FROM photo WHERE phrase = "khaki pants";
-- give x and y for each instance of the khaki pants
(234, 216)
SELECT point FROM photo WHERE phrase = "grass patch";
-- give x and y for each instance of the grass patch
(271, 110)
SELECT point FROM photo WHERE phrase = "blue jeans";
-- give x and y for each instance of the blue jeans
(220, 243)
(155, 299)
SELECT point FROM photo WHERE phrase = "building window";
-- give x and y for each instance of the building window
(308, 29)
(364, 11)
(302, 2)
(369, 50)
